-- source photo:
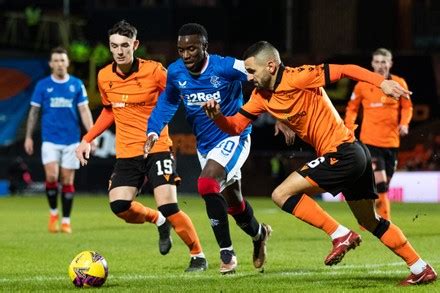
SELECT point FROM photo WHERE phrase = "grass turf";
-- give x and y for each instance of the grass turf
(34, 260)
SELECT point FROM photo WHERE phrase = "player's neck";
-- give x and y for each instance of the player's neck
(124, 68)
(203, 64)
(60, 77)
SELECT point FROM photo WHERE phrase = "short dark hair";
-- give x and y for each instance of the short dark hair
(123, 28)
(383, 52)
(58, 50)
(256, 48)
(193, 29)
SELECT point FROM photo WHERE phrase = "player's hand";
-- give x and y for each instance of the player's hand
(212, 109)
(394, 89)
(151, 140)
(83, 152)
(29, 146)
(93, 147)
(403, 130)
(289, 135)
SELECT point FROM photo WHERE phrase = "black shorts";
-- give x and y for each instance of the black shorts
(348, 170)
(157, 169)
(383, 159)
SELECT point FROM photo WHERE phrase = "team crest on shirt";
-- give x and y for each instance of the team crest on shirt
(182, 84)
(215, 81)
(72, 88)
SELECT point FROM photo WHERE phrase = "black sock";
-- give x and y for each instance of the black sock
(52, 195)
(246, 220)
(67, 199)
(216, 210)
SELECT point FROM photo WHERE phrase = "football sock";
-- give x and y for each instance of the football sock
(306, 209)
(216, 209)
(52, 194)
(67, 199)
(244, 217)
(383, 206)
(184, 227)
(418, 267)
(340, 231)
(53, 212)
(160, 219)
(394, 239)
(138, 214)
(65, 220)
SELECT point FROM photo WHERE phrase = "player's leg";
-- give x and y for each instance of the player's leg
(392, 237)
(293, 196)
(67, 194)
(51, 156)
(125, 182)
(163, 178)
(241, 210)
(379, 161)
(216, 209)
(69, 163)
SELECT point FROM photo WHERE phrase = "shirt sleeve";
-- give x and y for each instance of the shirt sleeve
(37, 96)
(167, 105)
(233, 69)
(104, 99)
(406, 107)
(337, 72)
(160, 74)
(82, 94)
(352, 109)
(235, 124)
(104, 121)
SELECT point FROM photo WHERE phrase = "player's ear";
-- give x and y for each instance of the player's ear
(205, 47)
(135, 44)
(271, 67)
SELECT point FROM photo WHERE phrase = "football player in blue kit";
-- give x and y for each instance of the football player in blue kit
(195, 78)
(62, 99)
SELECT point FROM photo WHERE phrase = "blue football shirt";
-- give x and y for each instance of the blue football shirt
(221, 79)
(59, 101)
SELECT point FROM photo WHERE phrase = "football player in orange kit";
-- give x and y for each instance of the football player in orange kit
(296, 97)
(129, 90)
(384, 121)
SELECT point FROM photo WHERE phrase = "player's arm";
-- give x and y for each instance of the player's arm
(165, 109)
(232, 125)
(406, 113)
(352, 109)
(30, 126)
(334, 72)
(86, 116)
(104, 121)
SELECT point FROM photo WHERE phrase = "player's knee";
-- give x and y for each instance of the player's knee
(382, 187)
(120, 206)
(237, 209)
(207, 185)
(169, 209)
(278, 196)
(381, 228)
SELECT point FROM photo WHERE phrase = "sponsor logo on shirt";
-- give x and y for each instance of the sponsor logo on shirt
(60, 102)
(297, 116)
(197, 99)
(50, 89)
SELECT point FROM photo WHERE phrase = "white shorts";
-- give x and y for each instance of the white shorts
(231, 153)
(62, 154)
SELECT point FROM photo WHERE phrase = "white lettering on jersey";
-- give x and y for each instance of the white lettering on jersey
(239, 65)
(376, 105)
(197, 99)
(60, 102)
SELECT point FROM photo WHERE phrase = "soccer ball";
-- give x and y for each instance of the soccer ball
(88, 269)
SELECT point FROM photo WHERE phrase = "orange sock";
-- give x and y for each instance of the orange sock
(184, 227)
(310, 212)
(383, 206)
(394, 239)
(138, 214)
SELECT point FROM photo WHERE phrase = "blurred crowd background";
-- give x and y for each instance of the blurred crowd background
(305, 31)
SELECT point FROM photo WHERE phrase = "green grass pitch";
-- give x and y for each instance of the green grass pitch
(32, 259)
